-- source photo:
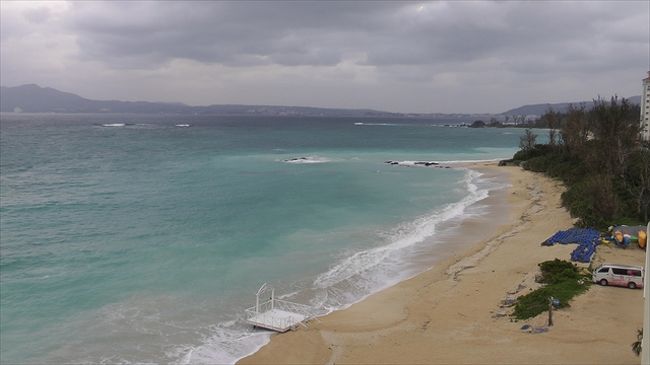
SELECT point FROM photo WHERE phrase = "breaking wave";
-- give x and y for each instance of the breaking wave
(380, 124)
(346, 282)
(368, 271)
(307, 160)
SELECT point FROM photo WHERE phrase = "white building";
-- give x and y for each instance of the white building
(645, 109)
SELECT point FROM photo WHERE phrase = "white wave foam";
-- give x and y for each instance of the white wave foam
(228, 343)
(114, 125)
(451, 162)
(182, 125)
(439, 163)
(415, 163)
(307, 160)
(350, 280)
(289, 295)
(369, 271)
(379, 124)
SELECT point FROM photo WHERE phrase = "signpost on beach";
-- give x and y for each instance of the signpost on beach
(645, 342)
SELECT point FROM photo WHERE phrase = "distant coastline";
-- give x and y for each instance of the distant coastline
(32, 98)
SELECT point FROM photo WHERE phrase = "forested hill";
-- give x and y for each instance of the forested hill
(540, 109)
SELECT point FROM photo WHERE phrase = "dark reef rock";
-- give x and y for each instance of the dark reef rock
(295, 159)
(426, 163)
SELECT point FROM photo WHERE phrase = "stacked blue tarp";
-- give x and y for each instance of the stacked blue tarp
(583, 252)
(586, 238)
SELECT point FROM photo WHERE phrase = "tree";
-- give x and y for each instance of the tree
(527, 141)
(638, 175)
(605, 200)
(616, 125)
(603, 163)
(552, 121)
(494, 123)
(636, 346)
(477, 124)
(575, 131)
(519, 119)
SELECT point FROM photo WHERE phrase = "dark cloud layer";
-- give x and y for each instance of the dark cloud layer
(440, 48)
(239, 34)
(322, 33)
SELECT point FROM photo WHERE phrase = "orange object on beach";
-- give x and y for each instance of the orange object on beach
(618, 236)
(643, 239)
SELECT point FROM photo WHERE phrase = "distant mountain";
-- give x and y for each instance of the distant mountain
(35, 99)
(539, 109)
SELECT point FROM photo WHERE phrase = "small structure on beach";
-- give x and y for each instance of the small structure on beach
(276, 314)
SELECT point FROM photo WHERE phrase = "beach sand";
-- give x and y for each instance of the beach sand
(451, 313)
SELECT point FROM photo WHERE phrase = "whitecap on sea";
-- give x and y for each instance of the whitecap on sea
(306, 160)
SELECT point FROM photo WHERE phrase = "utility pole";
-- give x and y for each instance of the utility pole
(550, 311)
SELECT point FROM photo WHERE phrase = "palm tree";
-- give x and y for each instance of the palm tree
(636, 346)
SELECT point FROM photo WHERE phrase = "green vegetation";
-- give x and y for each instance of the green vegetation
(563, 281)
(598, 154)
(636, 345)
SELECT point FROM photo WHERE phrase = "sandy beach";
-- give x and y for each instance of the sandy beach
(451, 313)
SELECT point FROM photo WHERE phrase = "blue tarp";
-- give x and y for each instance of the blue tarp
(586, 238)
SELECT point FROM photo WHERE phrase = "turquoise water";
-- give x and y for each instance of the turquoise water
(129, 239)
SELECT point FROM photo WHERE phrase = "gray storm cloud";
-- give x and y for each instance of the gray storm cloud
(403, 56)
(311, 33)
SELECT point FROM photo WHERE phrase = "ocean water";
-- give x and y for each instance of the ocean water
(143, 238)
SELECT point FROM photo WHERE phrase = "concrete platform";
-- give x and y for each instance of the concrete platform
(277, 320)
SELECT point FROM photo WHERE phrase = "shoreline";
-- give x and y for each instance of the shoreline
(433, 252)
(450, 313)
(441, 256)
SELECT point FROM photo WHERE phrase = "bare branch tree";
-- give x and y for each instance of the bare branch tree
(527, 140)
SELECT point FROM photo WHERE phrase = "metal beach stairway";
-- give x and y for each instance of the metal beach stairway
(277, 314)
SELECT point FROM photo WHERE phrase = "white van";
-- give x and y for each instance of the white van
(619, 275)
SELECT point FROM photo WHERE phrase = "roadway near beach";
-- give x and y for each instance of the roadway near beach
(451, 314)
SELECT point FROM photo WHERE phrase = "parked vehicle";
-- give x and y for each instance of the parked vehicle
(619, 275)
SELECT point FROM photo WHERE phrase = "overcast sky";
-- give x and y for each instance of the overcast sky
(455, 56)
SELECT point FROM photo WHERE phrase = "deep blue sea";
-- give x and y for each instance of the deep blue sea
(130, 238)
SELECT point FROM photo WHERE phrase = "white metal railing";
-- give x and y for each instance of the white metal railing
(284, 305)
(280, 322)
(275, 321)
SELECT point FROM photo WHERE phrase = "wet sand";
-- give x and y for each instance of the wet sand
(451, 313)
